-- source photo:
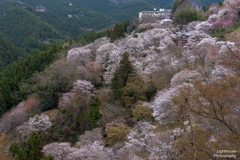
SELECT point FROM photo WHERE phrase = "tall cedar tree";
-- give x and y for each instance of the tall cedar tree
(94, 114)
(118, 32)
(117, 85)
(126, 69)
(121, 76)
(33, 149)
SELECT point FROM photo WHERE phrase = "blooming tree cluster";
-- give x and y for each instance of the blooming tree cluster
(37, 123)
(90, 137)
(141, 140)
(81, 89)
(184, 76)
(12, 119)
(90, 151)
(225, 18)
(162, 105)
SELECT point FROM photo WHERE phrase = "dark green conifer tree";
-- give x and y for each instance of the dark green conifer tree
(95, 114)
(118, 32)
(33, 149)
(121, 75)
(126, 69)
(116, 84)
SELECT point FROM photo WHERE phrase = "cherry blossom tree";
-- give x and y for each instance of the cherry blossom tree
(90, 151)
(37, 123)
(40, 124)
(81, 90)
(204, 26)
(12, 119)
(59, 151)
(162, 105)
(90, 137)
(184, 76)
(92, 72)
(138, 137)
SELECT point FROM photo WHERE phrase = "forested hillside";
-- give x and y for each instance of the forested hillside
(26, 30)
(9, 53)
(100, 13)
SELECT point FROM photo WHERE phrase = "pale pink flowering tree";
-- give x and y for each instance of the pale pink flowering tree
(78, 101)
(90, 151)
(37, 123)
(138, 137)
(185, 76)
(214, 8)
(225, 22)
(81, 90)
(211, 57)
(13, 118)
(162, 105)
(59, 151)
(91, 72)
(90, 137)
(204, 26)
(141, 140)
(213, 18)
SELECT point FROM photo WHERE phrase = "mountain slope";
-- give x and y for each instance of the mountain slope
(81, 15)
(97, 13)
(9, 53)
(26, 30)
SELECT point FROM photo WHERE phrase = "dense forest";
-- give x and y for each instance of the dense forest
(9, 53)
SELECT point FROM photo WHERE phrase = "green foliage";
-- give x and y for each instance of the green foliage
(134, 90)
(14, 148)
(141, 113)
(94, 114)
(116, 84)
(204, 8)
(118, 32)
(48, 104)
(21, 70)
(32, 150)
(116, 134)
(9, 53)
(142, 30)
(121, 75)
(185, 16)
(49, 157)
(125, 24)
(201, 17)
(64, 128)
(92, 36)
(87, 18)
(126, 69)
(28, 31)
(175, 5)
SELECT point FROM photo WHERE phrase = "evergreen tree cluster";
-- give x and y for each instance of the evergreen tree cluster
(94, 114)
(124, 72)
(9, 53)
(118, 32)
(186, 15)
(31, 151)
